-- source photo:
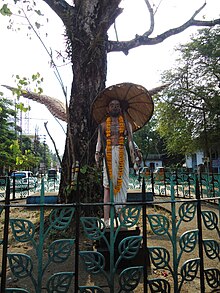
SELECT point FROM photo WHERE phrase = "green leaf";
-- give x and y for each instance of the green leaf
(60, 282)
(159, 224)
(188, 241)
(189, 269)
(93, 261)
(94, 228)
(20, 264)
(38, 12)
(129, 216)
(187, 211)
(23, 230)
(212, 277)
(212, 248)
(129, 247)
(38, 25)
(130, 278)
(61, 218)
(210, 220)
(159, 285)
(60, 250)
(160, 257)
(5, 11)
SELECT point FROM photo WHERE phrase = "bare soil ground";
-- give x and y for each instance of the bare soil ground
(85, 244)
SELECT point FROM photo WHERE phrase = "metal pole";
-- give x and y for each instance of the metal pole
(112, 238)
(144, 221)
(199, 223)
(41, 239)
(5, 237)
(77, 231)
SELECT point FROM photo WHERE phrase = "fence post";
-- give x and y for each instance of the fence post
(5, 237)
(199, 222)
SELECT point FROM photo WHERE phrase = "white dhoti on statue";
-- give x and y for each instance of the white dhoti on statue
(121, 196)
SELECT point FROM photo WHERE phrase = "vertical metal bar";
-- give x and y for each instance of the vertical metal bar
(5, 237)
(77, 216)
(144, 222)
(165, 183)
(199, 223)
(177, 184)
(41, 239)
(152, 180)
(13, 190)
(112, 239)
(189, 183)
(213, 185)
(174, 235)
(200, 183)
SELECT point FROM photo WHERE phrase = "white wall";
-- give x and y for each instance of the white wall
(199, 159)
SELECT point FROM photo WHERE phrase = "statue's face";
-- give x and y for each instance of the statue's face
(114, 108)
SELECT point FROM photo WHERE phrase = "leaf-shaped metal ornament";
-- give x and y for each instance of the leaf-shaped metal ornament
(129, 246)
(159, 224)
(189, 269)
(188, 240)
(60, 250)
(23, 230)
(130, 278)
(159, 285)
(93, 260)
(160, 257)
(212, 248)
(15, 290)
(59, 282)
(94, 228)
(187, 211)
(210, 220)
(90, 289)
(20, 264)
(213, 277)
(129, 216)
(61, 218)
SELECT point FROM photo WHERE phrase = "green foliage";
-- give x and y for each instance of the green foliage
(189, 109)
(149, 140)
(5, 11)
(6, 130)
(20, 10)
(34, 82)
(19, 151)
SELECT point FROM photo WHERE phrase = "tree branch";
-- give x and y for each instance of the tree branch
(151, 29)
(125, 46)
(57, 153)
(61, 7)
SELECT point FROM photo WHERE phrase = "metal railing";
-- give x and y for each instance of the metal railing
(149, 247)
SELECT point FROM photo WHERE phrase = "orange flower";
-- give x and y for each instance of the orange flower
(117, 188)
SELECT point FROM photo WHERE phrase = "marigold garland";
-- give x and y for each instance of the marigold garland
(117, 188)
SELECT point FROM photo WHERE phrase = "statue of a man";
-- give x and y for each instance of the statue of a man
(113, 132)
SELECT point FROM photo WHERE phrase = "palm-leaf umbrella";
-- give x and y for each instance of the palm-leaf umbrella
(136, 103)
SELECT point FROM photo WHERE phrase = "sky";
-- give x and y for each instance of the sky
(144, 65)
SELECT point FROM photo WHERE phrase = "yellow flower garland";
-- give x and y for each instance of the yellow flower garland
(117, 188)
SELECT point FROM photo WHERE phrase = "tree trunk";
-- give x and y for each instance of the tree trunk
(89, 59)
